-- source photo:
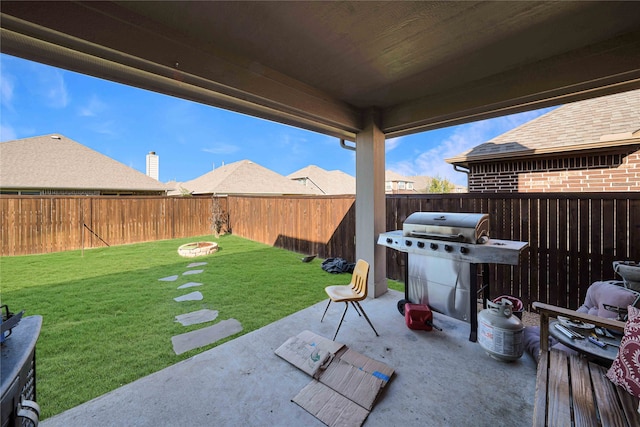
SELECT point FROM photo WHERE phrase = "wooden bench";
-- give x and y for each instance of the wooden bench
(572, 391)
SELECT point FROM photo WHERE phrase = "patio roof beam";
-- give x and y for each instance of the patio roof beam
(168, 65)
(217, 53)
(598, 70)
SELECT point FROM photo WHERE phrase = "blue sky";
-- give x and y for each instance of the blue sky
(126, 123)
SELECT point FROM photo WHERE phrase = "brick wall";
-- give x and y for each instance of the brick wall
(586, 173)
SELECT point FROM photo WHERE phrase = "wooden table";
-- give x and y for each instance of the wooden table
(584, 346)
(546, 311)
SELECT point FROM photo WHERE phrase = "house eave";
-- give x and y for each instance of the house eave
(603, 145)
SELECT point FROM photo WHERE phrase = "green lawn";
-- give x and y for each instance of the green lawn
(108, 320)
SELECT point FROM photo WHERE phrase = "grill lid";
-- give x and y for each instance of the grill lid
(452, 226)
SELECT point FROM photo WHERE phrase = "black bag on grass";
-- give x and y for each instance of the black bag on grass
(338, 265)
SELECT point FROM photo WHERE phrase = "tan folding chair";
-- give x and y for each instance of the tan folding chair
(352, 293)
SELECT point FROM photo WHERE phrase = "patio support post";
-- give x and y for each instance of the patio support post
(370, 201)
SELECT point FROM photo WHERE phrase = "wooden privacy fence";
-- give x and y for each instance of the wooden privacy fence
(43, 224)
(573, 238)
(323, 225)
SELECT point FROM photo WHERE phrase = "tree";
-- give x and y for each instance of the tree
(219, 218)
(440, 185)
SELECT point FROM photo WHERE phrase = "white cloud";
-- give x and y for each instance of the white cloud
(293, 140)
(108, 127)
(7, 85)
(222, 149)
(431, 162)
(7, 133)
(6, 90)
(391, 144)
(49, 84)
(93, 107)
(177, 113)
(464, 137)
(403, 167)
(290, 143)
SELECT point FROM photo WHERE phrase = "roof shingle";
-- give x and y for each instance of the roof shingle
(245, 177)
(580, 125)
(57, 162)
(327, 182)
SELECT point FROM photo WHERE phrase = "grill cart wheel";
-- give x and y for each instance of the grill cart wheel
(401, 304)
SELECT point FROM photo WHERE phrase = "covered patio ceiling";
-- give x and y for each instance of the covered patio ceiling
(323, 66)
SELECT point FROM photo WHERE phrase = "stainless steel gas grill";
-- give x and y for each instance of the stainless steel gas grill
(443, 253)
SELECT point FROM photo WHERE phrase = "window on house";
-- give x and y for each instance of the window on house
(388, 186)
(401, 185)
(409, 185)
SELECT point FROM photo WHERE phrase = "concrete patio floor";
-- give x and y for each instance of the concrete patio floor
(441, 379)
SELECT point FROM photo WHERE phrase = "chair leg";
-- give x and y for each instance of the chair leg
(346, 307)
(366, 317)
(356, 307)
(325, 310)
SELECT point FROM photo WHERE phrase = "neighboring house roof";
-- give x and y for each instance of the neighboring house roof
(56, 162)
(399, 184)
(599, 123)
(176, 188)
(420, 182)
(326, 182)
(395, 177)
(245, 177)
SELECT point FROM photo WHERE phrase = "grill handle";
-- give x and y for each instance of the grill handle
(447, 237)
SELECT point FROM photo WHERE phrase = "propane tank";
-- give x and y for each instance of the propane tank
(500, 333)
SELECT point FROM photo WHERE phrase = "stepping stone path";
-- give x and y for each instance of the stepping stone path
(193, 296)
(203, 336)
(187, 273)
(189, 285)
(195, 317)
(196, 264)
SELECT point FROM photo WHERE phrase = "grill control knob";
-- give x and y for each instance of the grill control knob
(433, 246)
(408, 242)
(421, 244)
(389, 240)
(448, 248)
(464, 250)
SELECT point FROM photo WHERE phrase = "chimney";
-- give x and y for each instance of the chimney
(153, 162)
